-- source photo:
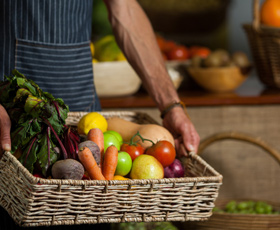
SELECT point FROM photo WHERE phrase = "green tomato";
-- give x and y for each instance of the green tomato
(119, 137)
(124, 164)
(110, 139)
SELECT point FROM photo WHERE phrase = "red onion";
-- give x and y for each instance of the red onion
(174, 170)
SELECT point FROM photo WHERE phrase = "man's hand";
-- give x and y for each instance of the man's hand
(5, 127)
(178, 123)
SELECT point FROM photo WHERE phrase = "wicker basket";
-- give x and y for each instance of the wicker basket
(264, 42)
(221, 221)
(32, 201)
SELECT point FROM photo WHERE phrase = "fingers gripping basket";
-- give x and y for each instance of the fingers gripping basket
(221, 221)
(264, 42)
(32, 201)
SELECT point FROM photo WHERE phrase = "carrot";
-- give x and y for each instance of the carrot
(96, 135)
(110, 162)
(88, 161)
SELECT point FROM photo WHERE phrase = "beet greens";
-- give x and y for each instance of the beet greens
(38, 123)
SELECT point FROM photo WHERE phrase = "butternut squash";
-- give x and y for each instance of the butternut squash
(127, 129)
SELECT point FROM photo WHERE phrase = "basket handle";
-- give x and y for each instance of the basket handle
(256, 15)
(242, 137)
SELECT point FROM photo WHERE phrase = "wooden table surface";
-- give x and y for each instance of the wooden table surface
(251, 92)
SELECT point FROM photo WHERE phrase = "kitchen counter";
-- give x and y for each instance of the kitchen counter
(251, 92)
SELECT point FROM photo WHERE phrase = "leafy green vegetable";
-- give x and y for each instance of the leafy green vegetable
(38, 122)
(247, 207)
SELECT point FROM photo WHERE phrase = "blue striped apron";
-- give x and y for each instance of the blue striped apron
(49, 42)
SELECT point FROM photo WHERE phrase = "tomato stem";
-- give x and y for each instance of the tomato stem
(142, 139)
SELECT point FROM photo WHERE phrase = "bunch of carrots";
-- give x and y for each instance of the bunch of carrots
(108, 160)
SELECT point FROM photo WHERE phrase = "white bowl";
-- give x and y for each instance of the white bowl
(115, 79)
(118, 78)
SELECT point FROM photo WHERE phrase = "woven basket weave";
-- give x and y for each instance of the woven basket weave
(32, 201)
(264, 42)
(221, 221)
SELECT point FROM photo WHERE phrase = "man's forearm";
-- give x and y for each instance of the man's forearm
(136, 38)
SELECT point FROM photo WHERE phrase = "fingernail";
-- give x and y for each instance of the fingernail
(190, 148)
(6, 147)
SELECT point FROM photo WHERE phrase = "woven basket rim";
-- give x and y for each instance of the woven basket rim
(36, 180)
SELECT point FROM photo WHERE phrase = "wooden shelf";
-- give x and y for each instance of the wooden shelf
(252, 92)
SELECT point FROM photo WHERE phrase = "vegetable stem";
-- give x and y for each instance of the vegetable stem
(30, 147)
(48, 141)
(59, 141)
(56, 107)
(142, 139)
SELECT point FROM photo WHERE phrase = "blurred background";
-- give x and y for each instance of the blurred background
(211, 23)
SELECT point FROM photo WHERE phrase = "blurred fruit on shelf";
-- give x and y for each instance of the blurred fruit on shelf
(217, 58)
(220, 71)
(92, 48)
(168, 46)
(172, 51)
(178, 52)
(270, 13)
(240, 59)
(107, 49)
(200, 51)
(221, 58)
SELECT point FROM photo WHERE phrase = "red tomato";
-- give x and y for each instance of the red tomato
(199, 51)
(168, 45)
(163, 151)
(160, 42)
(164, 56)
(134, 150)
(178, 53)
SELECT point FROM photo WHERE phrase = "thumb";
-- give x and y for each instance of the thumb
(5, 141)
(5, 127)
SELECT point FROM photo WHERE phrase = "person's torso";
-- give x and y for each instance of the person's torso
(49, 42)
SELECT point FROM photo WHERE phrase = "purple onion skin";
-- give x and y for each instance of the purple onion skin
(174, 170)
